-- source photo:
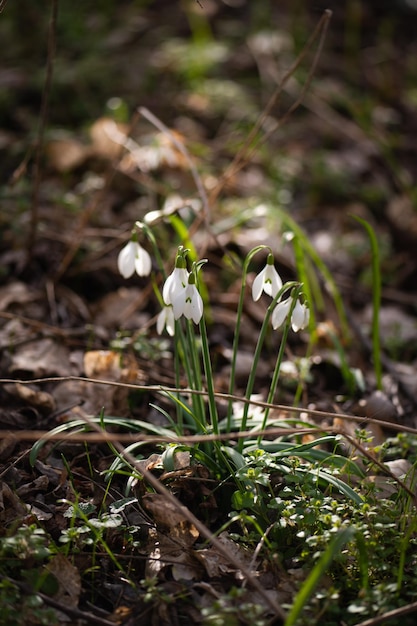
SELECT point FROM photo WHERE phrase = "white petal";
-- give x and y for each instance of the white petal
(170, 321)
(160, 321)
(280, 313)
(175, 282)
(196, 307)
(126, 260)
(188, 304)
(274, 282)
(178, 304)
(166, 320)
(300, 317)
(143, 263)
(166, 291)
(193, 305)
(258, 285)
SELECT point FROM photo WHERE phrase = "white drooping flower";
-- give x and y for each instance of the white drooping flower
(176, 281)
(188, 302)
(166, 320)
(300, 316)
(268, 280)
(134, 258)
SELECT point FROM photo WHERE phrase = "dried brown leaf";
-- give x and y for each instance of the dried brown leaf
(69, 580)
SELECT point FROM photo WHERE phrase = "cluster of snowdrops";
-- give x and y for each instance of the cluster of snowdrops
(181, 296)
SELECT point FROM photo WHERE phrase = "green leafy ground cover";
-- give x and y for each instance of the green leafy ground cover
(240, 132)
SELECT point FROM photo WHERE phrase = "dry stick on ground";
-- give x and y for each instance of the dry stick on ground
(37, 173)
(390, 615)
(202, 529)
(106, 437)
(76, 614)
(102, 436)
(250, 145)
(181, 148)
(163, 389)
(196, 177)
(133, 437)
(35, 435)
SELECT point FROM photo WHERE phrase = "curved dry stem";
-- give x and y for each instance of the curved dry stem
(244, 154)
(292, 410)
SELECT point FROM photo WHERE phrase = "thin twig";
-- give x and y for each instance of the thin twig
(380, 465)
(394, 614)
(43, 116)
(107, 437)
(181, 148)
(221, 396)
(73, 612)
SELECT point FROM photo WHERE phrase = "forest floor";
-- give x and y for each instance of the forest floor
(222, 126)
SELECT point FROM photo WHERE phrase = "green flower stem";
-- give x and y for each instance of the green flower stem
(149, 234)
(195, 376)
(177, 363)
(257, 355)
(376, 299)
(311, 252)
(306, 275)
(183, 354)
(209, 377)
(235, 347)
(280, 356)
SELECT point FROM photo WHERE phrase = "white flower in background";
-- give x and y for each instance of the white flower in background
(166, 320)
(134, 258)
(188, 302)
(176, 281)
(299, 317)
(268, 280)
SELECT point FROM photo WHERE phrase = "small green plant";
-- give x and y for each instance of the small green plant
(233, 609)
(22, 554)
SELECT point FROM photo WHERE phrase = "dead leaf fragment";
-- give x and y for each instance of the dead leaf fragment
(68, 578)
(217, 564)
(107, 137)
(11, 507)
(14, 293)
(45, 357)
(35, 397)
(102, 364)
(66, 154)
(171, 518)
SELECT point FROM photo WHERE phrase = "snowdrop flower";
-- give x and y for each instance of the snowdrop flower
(299, 318)
(166, 320)
(134, 258)
(188, 301)
(176, 281)
(268, 280)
